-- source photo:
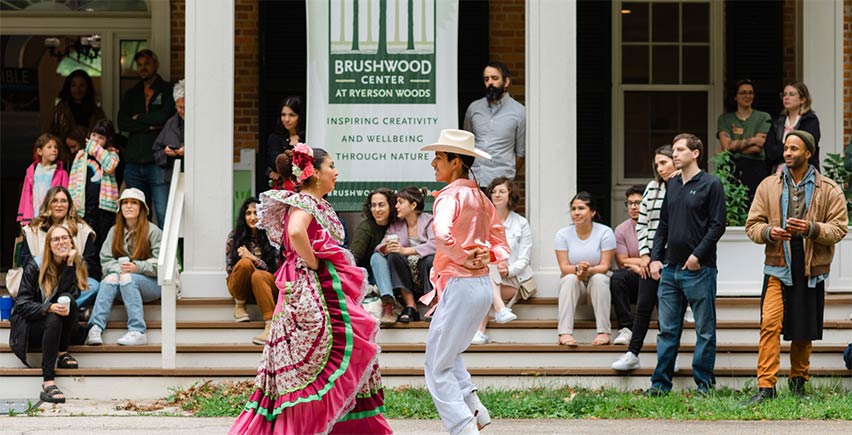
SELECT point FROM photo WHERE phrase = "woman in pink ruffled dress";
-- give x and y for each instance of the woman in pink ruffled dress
(319, 373)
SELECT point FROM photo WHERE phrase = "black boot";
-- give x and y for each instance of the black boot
(762, 395)
(797, 386)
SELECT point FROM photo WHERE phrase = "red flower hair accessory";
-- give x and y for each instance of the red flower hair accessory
(303, 162)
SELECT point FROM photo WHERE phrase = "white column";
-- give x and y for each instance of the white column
(822, 68)
(209, 135)
(551, 66)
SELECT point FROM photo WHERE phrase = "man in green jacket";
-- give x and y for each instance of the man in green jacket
(144, 110)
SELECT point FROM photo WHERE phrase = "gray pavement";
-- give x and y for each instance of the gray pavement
(162, 425)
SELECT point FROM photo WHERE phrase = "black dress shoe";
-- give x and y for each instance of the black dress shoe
(762, 395)
(797, 386)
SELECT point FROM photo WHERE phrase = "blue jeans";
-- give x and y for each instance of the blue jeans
(87, 297)
(381, 273)
(150, 179)
(133, 292)
(677, 287)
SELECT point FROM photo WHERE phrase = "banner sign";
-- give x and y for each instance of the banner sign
(381, 84)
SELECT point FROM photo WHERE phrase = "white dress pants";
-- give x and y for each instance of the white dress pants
(462, 307)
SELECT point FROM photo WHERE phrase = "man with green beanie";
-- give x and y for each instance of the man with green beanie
(799, 215)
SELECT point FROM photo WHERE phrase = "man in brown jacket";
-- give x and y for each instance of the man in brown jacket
(799, 215)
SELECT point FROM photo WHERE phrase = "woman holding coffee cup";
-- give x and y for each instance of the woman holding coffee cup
(45, 313)
(409, 246)
(129, 262)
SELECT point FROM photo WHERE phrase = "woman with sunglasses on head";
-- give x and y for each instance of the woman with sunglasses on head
(45, 314)
(797, 114)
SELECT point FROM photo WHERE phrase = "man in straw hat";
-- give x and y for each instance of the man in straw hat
(468, 234)
(799, 215)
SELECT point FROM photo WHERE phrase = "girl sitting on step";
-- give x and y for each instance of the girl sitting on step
(129, 263)
(249, 258)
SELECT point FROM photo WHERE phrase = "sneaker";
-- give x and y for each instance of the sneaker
(688, 316)
(133, 338)
(655, 392)
(505, 316)
(480, 412)
(626, 362)
(763, 394)
(388, 316)
(676, 367)
(94, 338)
(469, 429)
(240, 313)
(479, 338)
(623, 337)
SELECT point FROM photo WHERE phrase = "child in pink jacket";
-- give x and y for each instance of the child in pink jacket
(45, 172)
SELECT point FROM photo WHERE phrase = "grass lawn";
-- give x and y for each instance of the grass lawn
(823, 403)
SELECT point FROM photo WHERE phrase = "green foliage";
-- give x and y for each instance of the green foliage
(736, 194)
(826, 402)
(834, 168)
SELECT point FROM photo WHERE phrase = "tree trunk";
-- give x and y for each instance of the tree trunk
(411, 24)
(383, 28)
(355, 25)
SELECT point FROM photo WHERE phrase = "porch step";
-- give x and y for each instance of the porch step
(520, 331)
(546, 356)
(837, 307)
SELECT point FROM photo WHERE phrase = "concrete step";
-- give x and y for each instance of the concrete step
(496, 356)
(150, 384)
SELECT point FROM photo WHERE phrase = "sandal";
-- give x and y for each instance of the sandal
(49, 394)
(66, 361)
(408, 314)
(572, 342)
(598, 342)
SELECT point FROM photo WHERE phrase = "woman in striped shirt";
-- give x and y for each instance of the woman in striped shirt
(646, 227)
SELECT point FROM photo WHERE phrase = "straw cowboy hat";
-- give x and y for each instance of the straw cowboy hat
(457, 141)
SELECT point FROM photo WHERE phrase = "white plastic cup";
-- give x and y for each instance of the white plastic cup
(65, 301)
(122, 260)
(393, 238)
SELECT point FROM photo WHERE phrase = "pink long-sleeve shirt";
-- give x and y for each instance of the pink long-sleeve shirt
(464, 220)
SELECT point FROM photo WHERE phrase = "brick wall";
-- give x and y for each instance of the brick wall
(847, 71)
(507, 21)
(246, 76)
(789, 41)
(178, 29)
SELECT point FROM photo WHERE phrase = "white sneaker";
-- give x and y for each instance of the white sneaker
(94, 338)
(676, 367)
(623, 337)
(505, 316)
(479, 338)
(480, 412)
(133, 338)
(688, 316)
(626, 362)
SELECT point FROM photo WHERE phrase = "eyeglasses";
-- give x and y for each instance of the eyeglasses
(789, 94)
(632, 203)
(59, 201)
(58, 239)
(745, 93)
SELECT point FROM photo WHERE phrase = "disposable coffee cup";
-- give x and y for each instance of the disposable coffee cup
(6, 304)
(65, 301)
(393, 238)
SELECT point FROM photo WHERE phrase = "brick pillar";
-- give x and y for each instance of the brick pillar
(246, 76)
(178, 26)
(847, 71)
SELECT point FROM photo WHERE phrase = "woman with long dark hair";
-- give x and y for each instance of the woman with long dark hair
(289, 130)
(379, 213)
(319, 372)
(41, 318)
(249, 261)
(584, 252)
(77, 105)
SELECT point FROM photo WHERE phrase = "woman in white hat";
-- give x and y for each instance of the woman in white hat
(129, 263)
(468, 233)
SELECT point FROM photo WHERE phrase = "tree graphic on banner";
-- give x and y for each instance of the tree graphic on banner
(382, 49)
(411, 24)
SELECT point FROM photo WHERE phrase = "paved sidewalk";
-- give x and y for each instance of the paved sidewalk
(160, 425)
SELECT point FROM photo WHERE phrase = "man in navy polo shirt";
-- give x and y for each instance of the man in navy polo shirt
(692, 221)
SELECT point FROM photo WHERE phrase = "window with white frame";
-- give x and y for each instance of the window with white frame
(662, 74)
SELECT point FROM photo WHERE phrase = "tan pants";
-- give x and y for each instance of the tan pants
(572, 291)
(769, 352)
(246, 281)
